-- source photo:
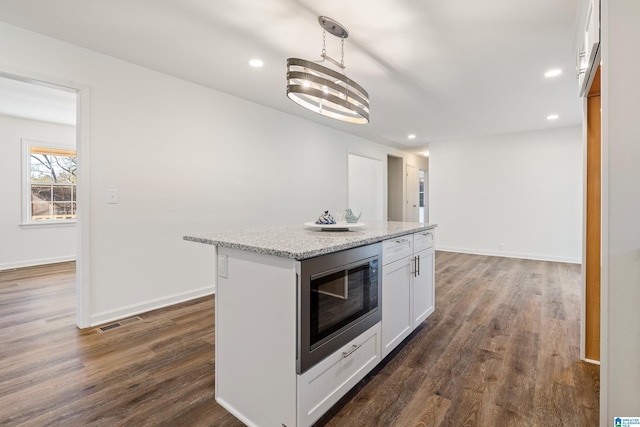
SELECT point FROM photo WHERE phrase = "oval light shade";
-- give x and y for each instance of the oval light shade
(327, 92)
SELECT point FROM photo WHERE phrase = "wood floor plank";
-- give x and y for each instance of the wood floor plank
(530, 314)
(517, 384)
(424, 410)
(464, 410)
(501, 349)
(484, 372)
(450, 368)
(499, 328)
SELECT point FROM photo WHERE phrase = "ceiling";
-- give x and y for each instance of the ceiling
(37, 102)
(440, 69)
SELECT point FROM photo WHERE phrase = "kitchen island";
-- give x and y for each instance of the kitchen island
(262, 286)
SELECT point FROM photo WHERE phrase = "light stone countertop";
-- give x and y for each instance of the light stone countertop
(301, 242)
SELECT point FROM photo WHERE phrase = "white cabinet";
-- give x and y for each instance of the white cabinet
(397, 269)
(256, 346)
(424, 277)
(257, 342)
(588, 43)
(408, 293)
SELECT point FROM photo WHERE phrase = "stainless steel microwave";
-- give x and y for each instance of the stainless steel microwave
(339, 297)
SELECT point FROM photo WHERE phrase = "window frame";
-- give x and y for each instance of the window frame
(27, 220)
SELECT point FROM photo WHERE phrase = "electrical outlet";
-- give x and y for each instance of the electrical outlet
(112, 196)
(222, 266)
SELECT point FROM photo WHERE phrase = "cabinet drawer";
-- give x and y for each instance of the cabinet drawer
(324, 384)
(395, 249)
(423, 240)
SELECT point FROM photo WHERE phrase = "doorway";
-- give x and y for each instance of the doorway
(424, 197)
(592, 270)
(412, 194)
(44, 110)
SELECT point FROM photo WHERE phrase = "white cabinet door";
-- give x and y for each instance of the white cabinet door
(423, 286)
(396, 303)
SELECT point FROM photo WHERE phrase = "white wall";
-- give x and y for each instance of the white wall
(620, 327)
(517, 195)
(20, 246)
(184, 159)
(365, 195)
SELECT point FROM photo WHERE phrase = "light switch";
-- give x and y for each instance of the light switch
(112, 196)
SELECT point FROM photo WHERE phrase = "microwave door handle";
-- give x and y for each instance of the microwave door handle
(345, 292)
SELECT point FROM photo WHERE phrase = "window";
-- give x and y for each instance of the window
(50, 176)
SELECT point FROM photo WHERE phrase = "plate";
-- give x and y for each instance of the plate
(340, 226)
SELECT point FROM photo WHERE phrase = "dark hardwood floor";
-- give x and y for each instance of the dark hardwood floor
(501, 349)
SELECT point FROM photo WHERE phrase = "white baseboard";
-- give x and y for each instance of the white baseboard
(136, 309)
(34, 262)
(594, 362)
(511, 255)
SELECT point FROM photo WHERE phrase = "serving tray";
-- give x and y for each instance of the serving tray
(340, 226)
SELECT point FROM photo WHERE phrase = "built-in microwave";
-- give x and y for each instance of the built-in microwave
(338, 299)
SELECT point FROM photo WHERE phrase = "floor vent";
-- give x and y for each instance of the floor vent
(119, 323)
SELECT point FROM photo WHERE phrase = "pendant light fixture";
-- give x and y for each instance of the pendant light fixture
(324, 90)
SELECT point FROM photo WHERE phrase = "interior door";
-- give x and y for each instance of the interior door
(412, 194)
(395, 183)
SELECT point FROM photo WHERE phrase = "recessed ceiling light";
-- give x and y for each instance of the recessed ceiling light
(411, 136)
(257, 63)
(553, 73)
(552, 117)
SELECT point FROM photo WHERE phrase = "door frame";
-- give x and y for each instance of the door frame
(425, 196)
(416, 186)
(590, 316)
(83, 189)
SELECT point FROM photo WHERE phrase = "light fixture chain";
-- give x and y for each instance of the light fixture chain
(324, 43)
(342, 58)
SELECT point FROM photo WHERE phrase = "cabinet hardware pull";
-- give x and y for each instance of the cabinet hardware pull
(402, 240)
(415, 266)
(354, 347)
(418, 267)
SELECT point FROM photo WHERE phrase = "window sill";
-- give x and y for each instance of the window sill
(49, 224)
